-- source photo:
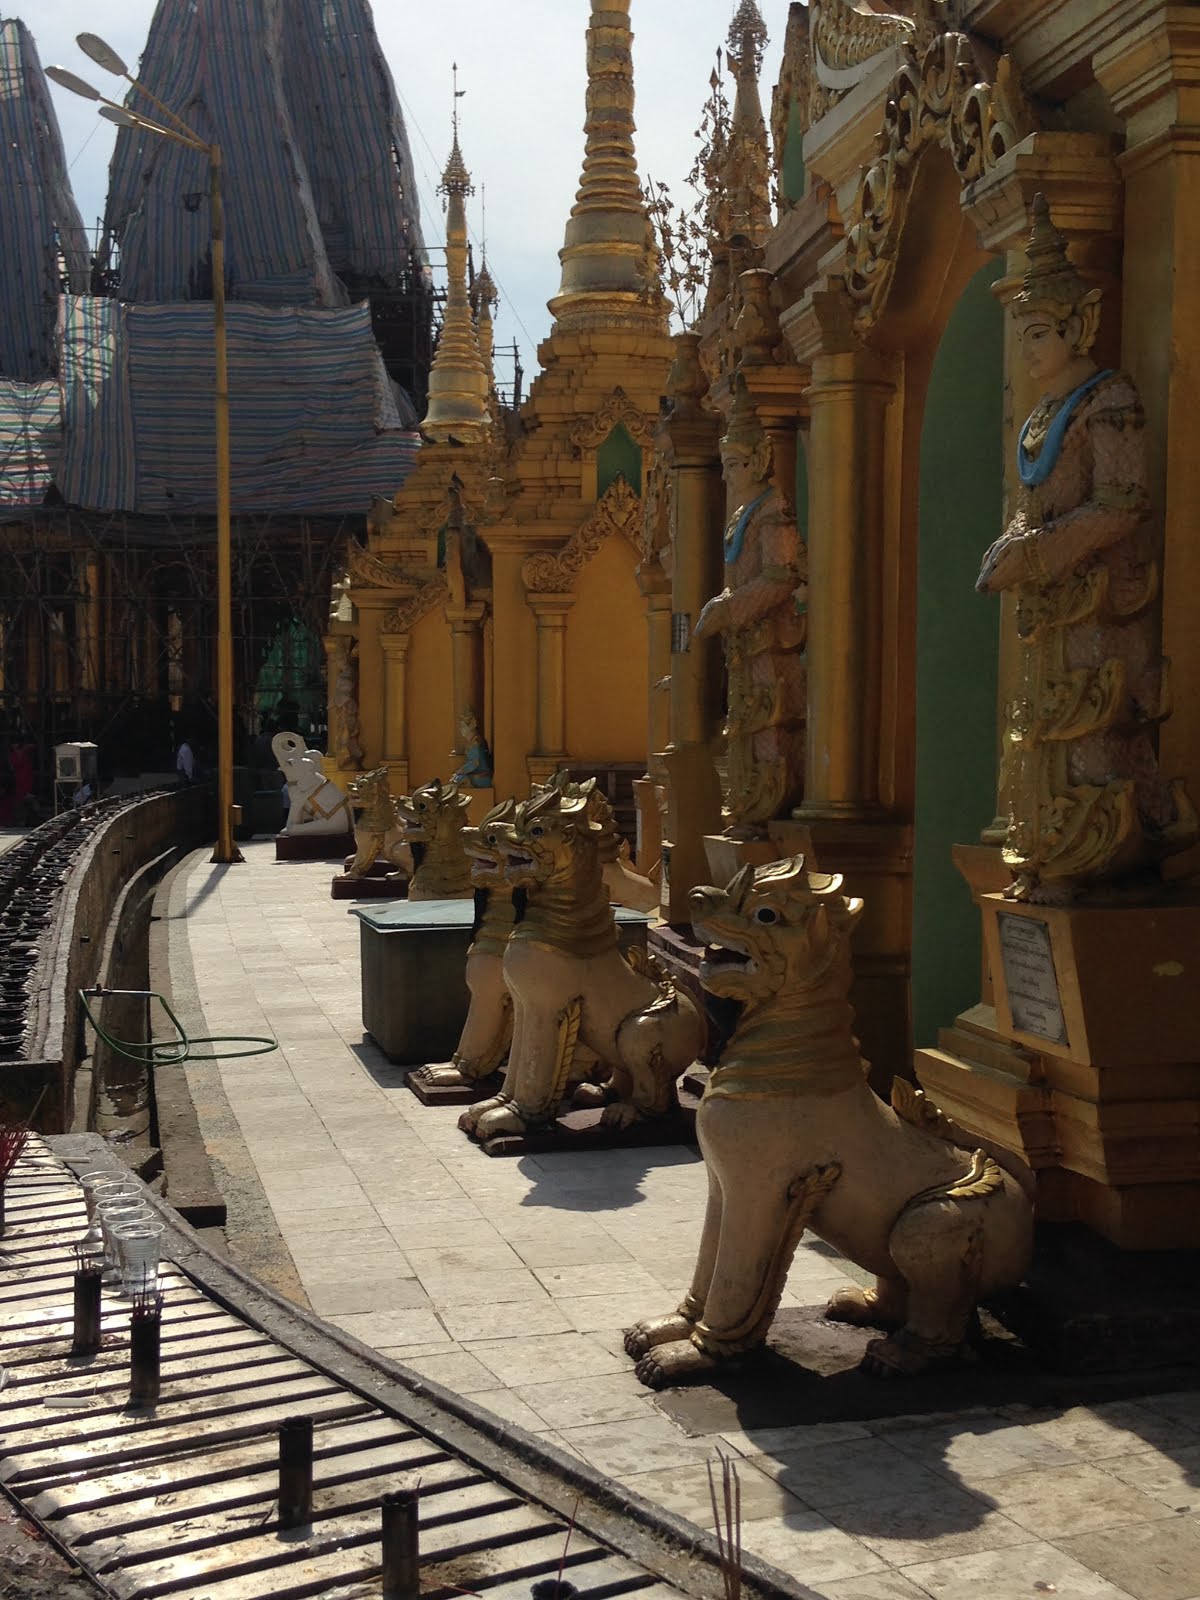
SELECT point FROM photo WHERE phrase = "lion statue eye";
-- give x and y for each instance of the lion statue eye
(536, 831)
(766, 914)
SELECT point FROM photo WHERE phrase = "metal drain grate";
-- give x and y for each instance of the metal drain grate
(181, 1500)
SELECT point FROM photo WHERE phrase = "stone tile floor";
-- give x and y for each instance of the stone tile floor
(512, 1280)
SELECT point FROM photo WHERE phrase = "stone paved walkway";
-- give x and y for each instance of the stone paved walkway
(511, 1281)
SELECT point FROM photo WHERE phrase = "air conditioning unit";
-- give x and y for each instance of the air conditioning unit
(75, 763)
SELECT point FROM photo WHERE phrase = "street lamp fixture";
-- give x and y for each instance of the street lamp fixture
(225, 851)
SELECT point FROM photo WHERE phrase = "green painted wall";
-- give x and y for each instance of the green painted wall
(957, 634)
(619, 454)
(792, 174)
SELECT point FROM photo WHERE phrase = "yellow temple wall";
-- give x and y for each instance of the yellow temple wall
(607, 677)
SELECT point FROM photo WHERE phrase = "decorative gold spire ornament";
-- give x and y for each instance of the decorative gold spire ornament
(458, 381)
(486, 296)
(609, 267)
(745, 176)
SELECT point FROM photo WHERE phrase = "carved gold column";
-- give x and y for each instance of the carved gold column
(656, 590)
(514, 657)
(849, 396)
(690, 438)
(395, 702)
(550, 611)
(1151, 73)
(466, 643)
(688, 441)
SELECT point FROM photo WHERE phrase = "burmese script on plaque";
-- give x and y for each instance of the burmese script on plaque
(1030, 979)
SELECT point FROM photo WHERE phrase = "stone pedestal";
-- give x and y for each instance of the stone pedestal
(313, 846)
(380, 883)
(1088, 1064)
(413, 960)
(414, 992)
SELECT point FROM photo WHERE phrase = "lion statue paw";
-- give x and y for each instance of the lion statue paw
(676, 1362)
(643, 1336)
(499, 1120)
(863, 1308)
(620, 1115)
(904, 1354)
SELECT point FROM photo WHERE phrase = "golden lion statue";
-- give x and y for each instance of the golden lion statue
(378, 831)
(571, 986)
(794, 1138)
(487, 1032)
(434, 816)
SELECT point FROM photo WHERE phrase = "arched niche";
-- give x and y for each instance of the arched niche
(942, 330)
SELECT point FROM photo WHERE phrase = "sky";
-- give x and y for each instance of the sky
(522, 65)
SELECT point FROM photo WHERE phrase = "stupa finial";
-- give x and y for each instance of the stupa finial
(608, 258)
(458, 383)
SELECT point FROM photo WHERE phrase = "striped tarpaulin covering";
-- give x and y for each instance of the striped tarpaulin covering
(30, 441)
(38, 215)
(351, 130)
(299, 97)
(313, 421)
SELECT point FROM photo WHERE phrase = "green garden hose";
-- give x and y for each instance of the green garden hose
(170, 1052)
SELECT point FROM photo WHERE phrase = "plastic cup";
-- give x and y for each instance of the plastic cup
(121, 1208)
(138, 1245)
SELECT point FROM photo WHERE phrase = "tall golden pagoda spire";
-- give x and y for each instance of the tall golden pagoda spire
(458, 383)
(486, 297)
(608, 259)
(746, 170)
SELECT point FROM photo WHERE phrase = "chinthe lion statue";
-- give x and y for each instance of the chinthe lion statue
(571, 986)
(487, 1032)
(625, 886)
(378, 831)
(794, 1138)
(434, 817)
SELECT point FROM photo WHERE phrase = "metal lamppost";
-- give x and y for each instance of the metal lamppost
(105, 56)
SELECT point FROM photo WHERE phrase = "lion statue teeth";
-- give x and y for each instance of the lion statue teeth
(794, 1138)
(571, 986)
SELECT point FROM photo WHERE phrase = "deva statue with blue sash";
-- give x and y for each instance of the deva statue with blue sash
(476, 770)
(1079, 778)
(760, 618)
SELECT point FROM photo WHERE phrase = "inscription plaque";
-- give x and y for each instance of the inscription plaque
(1030, 979)
(681, 632)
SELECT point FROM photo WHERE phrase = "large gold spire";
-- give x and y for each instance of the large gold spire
(608, 259)
(458, 382)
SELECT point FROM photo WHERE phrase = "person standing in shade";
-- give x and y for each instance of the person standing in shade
(185, 762)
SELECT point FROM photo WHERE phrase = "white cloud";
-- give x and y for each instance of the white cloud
(522, 67)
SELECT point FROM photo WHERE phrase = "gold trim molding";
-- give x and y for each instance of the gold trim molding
(944, 98)
(405, 616)
(618, 410)
(619, 510)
